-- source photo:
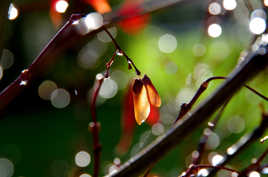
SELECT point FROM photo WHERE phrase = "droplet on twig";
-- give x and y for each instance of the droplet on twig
(23, 83)
(264, 139)
(119, 53)
(91, 125)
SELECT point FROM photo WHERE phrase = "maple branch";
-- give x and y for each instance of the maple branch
(253, 64)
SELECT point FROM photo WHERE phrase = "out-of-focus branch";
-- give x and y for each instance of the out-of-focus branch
(253, 64)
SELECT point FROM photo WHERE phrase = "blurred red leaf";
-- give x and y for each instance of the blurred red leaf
(101, 6)
(136, 23)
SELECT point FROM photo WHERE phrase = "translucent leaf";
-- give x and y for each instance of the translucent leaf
(141, 102)
(153, 95)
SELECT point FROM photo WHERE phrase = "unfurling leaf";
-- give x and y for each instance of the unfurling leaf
(141, 102)
(152, 93)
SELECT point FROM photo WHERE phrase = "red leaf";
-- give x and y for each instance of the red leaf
(152, 93)
(153, 116)
(128, 123)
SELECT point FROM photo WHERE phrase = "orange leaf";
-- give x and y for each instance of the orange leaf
(141, 102)
(153, 95)
(101, 6)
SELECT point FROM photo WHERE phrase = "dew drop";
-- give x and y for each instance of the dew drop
(23, 83)
(75, 92)
(25, 71)
(99, 76)
(211, 124)
(119, 53)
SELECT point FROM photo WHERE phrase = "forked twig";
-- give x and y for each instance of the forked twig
(186, 107)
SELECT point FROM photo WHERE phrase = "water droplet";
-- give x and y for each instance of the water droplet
(217, 159)
(211, 124)
(203, 172)
(23, 83)
(119, 53)
(13, 12)
(231, 150)
(264, 139)
(91, 125)
(99, 76)
(25, 71)
(75, 92)
(117, 161)
(254, 174)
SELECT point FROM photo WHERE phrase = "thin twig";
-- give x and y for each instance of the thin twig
(94, 126)
(185, 108)
(129, 61)
(203, 140)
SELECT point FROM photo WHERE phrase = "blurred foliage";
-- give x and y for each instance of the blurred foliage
(42, 140)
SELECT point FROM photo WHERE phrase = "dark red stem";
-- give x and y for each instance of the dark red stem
(123, 52)
(185, 108)
(95, 128)
(33, 71)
